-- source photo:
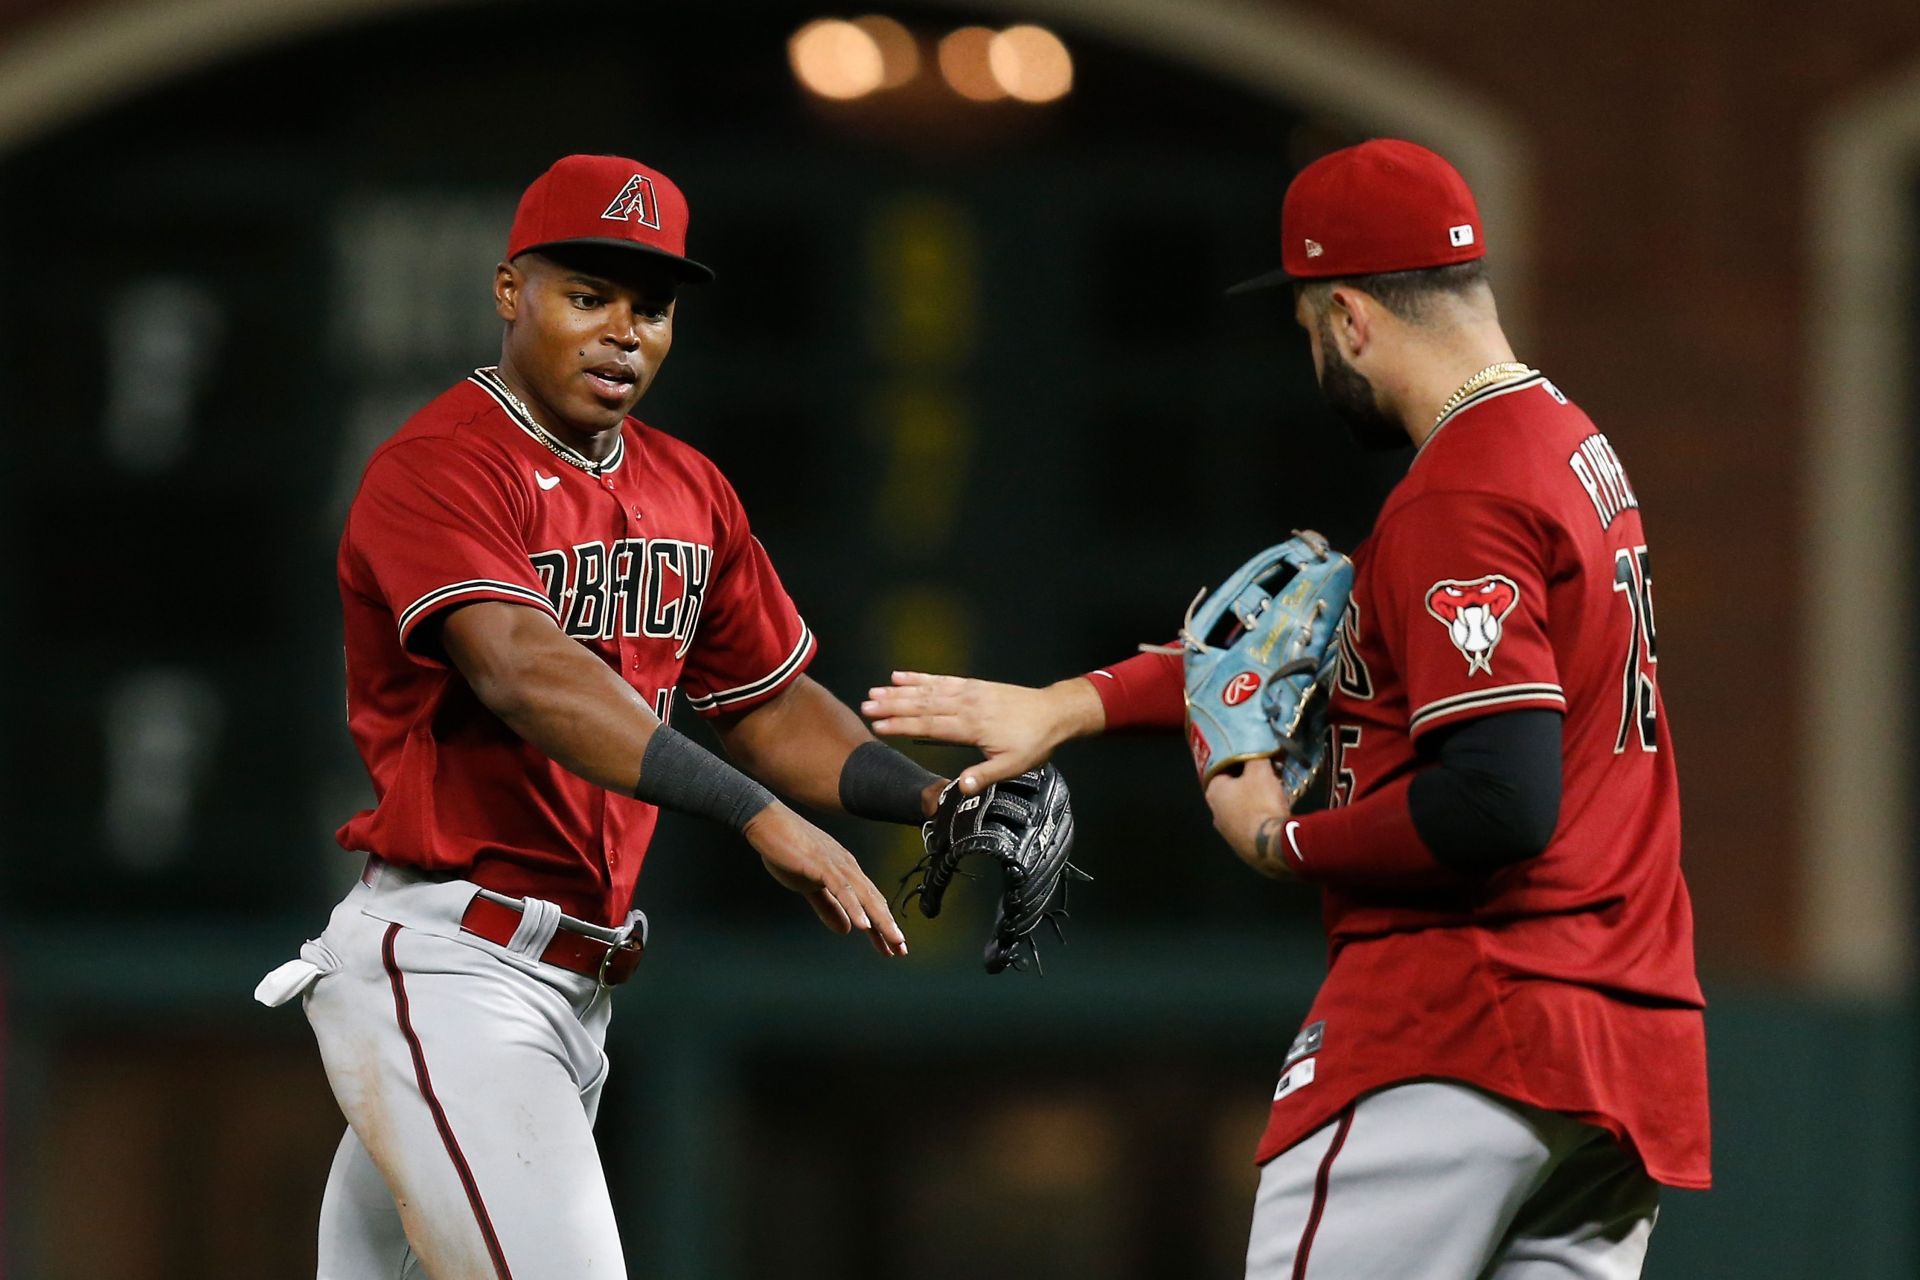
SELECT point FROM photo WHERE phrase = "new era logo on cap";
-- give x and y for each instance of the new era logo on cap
(636, 202)
(1382, 206)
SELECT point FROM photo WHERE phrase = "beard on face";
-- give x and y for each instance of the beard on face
(1351, 397)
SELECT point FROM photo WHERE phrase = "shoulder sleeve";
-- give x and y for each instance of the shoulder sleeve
(1460, 585)
(433, 527)
(750, 642)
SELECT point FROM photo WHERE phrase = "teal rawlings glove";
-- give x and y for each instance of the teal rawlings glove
(1258, 655)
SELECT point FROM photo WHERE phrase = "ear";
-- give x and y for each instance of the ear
(507, 286)
(1352, 319)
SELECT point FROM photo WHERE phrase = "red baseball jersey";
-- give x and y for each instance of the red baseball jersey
(1509, 569)
(645, 558)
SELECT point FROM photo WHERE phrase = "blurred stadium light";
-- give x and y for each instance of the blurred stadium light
(1031, 63)
(837, 59)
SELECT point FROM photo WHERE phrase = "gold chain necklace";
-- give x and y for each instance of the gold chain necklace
(1485, 378)
(561, 451)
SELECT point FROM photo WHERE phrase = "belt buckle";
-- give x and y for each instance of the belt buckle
(630, 947)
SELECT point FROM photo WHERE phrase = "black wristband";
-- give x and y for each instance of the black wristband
(677, 773)
(878, 782)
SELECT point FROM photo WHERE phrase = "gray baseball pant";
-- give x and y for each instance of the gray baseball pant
(1439, 1181)
(469, 1074)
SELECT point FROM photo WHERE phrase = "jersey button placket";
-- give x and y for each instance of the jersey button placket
(628, 517)
(629, 648)
(609, 842)
(609, 839)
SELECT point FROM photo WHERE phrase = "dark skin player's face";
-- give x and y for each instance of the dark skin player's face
(586, 334)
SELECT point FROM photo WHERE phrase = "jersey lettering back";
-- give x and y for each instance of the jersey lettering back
(648, 561)
(1510, 570)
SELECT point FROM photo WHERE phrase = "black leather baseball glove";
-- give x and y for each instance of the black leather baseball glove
(1026, 825)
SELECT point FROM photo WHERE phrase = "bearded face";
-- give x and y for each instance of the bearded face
(1352, 399)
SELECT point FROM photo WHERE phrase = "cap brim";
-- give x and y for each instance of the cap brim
(686, 270)
(1265, 280)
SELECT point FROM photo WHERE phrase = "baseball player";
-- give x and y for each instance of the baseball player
(1507, 1055)
(527, 574)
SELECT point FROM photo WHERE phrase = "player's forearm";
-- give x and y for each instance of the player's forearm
(1145, 691)
(1370, 843)
(1075, 708)
(578, 713)
(802, 744)
(570, 706)
(1489, 799)
(566, 703)
(796, 743)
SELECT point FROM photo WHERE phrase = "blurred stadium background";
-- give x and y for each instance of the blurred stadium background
(968, 363)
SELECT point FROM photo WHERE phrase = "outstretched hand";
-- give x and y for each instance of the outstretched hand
(803, 858)
(1016, 727)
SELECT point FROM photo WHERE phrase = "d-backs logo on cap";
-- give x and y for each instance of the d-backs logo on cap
(635, 203)
(1472, 612)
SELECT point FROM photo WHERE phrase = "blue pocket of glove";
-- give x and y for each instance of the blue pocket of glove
(1258, 654)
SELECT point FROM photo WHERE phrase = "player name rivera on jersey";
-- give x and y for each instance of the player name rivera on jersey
(1509, 569)
(645, 558)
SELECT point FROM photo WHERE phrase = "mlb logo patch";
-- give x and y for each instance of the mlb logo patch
(1461, 236)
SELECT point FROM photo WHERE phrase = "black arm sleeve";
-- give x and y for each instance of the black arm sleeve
(1491, 797)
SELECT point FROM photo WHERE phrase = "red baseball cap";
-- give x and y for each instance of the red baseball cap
(1385, 205)
(608, 201)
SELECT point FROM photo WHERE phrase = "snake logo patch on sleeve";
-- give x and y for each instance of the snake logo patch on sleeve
(1472, 611)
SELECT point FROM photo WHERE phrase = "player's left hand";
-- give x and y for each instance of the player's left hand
(808, 861)
(1250, 809)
